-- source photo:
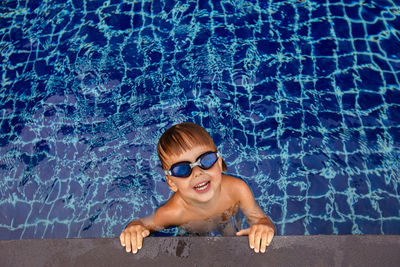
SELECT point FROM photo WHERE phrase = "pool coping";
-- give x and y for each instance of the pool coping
(315, 250)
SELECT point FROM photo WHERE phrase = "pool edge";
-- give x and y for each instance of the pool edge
(317, 250)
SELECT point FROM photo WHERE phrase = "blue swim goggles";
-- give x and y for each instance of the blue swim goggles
(184, 169)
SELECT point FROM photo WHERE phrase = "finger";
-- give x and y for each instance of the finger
(122, 239)
(264, 240)
(251, 239)
(269, 239)
(257, 240)
(134, 242)
(243, 232)
(128, 242)
(139, 239)
(145, 233)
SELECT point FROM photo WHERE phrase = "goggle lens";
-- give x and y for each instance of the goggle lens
(181, 170)
(208, 160)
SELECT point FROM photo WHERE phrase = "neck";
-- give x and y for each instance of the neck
(202, 207)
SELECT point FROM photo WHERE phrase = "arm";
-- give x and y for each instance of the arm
(261, 229)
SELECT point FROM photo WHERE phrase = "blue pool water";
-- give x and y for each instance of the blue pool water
(301, 97)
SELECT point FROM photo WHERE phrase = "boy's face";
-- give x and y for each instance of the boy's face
(201, 185)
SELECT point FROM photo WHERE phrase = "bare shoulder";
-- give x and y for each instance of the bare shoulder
(234, 182)
(241, 192)
(168, 214)
(236, 186)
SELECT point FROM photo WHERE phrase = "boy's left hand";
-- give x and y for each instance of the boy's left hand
(260, 236)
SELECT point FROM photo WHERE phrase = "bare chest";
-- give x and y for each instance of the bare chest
(222, 222)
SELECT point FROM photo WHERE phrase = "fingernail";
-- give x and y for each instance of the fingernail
(128, 250)
(135, 251)
(139, 247)
(256, 250)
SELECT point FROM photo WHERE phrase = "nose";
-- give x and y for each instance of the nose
(197, 171)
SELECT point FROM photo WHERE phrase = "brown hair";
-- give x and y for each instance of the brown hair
(183, 137)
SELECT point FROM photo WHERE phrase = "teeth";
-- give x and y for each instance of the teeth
(201, 186)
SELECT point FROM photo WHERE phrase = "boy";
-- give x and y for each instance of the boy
(203, 196)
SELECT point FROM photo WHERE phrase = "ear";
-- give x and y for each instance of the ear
(171, 184)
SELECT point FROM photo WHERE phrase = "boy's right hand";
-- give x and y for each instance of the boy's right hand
(132, 237)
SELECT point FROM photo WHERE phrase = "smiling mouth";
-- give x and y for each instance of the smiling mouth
(202, 187)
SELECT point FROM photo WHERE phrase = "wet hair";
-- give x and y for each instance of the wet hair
(181, 138)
